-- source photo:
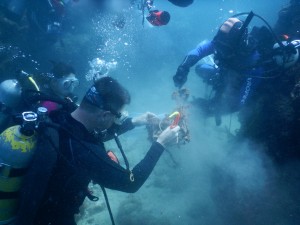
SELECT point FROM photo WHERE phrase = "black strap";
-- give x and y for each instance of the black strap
(18, 172)
(108, 205)
(7, 171)
(8, 195)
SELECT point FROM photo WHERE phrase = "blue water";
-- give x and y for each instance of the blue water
(215, 182)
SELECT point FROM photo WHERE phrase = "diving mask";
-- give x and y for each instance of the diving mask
(69, 82)
(65, 86)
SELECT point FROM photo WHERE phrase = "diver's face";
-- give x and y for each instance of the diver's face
(65, 86)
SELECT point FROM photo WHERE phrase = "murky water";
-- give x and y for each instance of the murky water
(214, 181)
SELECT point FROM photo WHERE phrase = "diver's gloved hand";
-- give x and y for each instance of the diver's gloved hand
(143, 119)
(181, 76)
(169, 136)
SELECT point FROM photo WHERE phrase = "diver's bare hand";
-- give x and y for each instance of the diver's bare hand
(143, 119)
(168, 136)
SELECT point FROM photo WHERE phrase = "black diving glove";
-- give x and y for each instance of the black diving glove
(181, 76)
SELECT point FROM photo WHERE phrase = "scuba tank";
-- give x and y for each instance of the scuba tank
(17, 147)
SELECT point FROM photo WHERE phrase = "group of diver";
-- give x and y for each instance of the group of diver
(52, 147)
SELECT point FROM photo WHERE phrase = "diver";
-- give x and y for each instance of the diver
(54, 90)
(235, 73)
(81, 157)
(61, 83)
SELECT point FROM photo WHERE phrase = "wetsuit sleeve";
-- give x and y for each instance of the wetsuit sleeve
(202, 50)
(111, 175)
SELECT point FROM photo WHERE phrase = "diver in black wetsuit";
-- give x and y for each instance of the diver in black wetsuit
(82, 157)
